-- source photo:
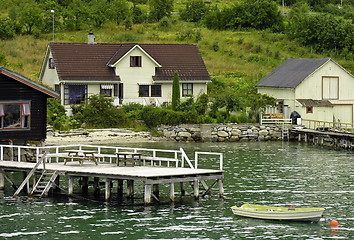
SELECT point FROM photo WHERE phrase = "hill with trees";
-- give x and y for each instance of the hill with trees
(240, 41)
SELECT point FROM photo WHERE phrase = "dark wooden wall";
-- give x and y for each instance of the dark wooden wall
(12, 90)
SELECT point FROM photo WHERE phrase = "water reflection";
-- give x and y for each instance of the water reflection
(280, 174)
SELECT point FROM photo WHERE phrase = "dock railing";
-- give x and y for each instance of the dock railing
(325, 125)
(104, 154)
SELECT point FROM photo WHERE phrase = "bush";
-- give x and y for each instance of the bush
(154, 116)
(99, 112)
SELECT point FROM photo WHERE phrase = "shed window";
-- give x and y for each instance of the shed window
(330, 87)
(135, 61)
(15, 115)
(309, 109)
(74, 94)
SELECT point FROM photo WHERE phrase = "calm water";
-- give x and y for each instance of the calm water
(277, 173)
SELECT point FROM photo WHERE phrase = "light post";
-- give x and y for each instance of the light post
(52, 11)
(282, 7)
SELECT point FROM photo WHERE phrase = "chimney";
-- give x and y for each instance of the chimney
(91, 38)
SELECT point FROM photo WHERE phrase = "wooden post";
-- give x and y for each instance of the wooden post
(57, 184)
(183, 192)
(299, 137)
(96, 186)
(172, 192)
(130, 188)
(84, 185)
(221, 188)
(196, 189)
(2, 181)
(147, 193)
(120, 188)
(71, 185)
(156, 190)
(108, 189)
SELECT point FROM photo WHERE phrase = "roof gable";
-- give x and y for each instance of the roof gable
(292, 72)
(128, 52)
(28, 82)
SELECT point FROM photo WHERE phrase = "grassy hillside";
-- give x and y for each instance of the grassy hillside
(231, 56)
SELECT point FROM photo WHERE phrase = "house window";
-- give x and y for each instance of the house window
(309, 109)
(51, 63)
(106, 90)
(330, 87)
(150, 91)
(187, 89)
(15, 115)
(135, 61)
(155, 90)
(144, 90)
(74, 94)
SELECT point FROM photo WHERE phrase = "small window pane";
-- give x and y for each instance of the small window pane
(143, 91)
(12, 117)
(26, 109)
(1, 110)
(106, 92)
(187, 89)
(135, 61)
(156, 91)
(51, 63)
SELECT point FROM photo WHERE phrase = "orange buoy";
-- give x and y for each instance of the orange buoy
(333, 223)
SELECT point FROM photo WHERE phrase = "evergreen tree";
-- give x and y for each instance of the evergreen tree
(176, 93)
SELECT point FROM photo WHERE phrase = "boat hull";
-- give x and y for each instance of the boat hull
(279, 213)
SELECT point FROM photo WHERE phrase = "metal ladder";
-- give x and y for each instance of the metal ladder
(284, 132)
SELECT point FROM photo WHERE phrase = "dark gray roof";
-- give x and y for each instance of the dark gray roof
(314, 103)
(292, 72)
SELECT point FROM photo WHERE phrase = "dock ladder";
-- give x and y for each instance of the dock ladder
(44, 183)
(284, 132)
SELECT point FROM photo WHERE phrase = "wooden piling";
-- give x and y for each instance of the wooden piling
(147, 193)
(2, 181)
(96, 186)
(71, 185)
(172, 192)
(221, 188)
(130, 188)
(196, 189)
(120, 188)
(108, 189)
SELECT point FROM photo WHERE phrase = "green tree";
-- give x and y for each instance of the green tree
(119, 11)
(194, 11)
(160, 9)
(176, 92)
(28, 14)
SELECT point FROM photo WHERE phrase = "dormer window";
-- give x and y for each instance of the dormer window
(51, 63)
(135, 61)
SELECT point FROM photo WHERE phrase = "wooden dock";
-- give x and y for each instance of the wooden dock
(153, 170)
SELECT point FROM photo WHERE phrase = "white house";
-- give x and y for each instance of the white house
(128, 72)
(318, 89)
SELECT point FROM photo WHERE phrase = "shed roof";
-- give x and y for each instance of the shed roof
(292, 72)
(82, 61)
(28, 82)
(314, 103)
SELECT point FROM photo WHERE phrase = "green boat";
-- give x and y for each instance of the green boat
(279, 213)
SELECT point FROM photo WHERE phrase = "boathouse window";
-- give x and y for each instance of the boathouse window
(309, 109)
(187, 89)
(15, 115)
(74, 94)
(330, 87)
(135, 61)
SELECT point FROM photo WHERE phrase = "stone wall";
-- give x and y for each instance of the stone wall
(222, 132)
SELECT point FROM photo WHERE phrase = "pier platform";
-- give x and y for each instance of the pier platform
(52, 163)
